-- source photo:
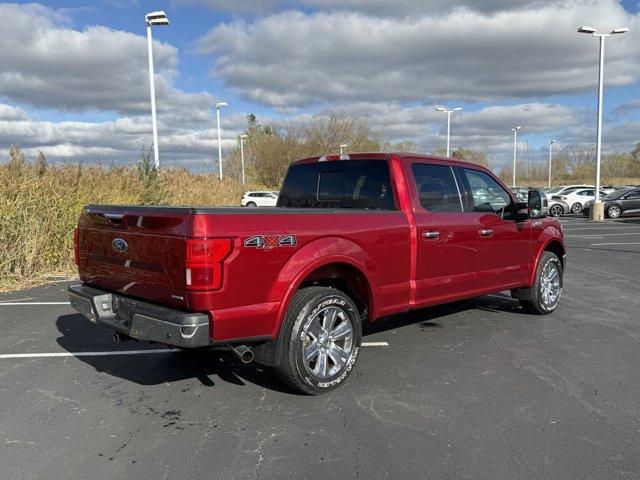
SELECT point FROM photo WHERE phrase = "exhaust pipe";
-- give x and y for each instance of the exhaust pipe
(245, 354)
(120, 337)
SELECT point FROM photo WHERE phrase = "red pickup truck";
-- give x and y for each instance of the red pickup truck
(353, 238)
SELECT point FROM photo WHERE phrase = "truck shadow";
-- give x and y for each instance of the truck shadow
(210, 365)
(426, 317)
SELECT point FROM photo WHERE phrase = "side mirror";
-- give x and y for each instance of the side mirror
(536, 204)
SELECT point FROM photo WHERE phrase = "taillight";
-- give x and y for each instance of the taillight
(76, 246)
(204, 262)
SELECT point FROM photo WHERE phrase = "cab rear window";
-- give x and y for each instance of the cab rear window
(360, 184)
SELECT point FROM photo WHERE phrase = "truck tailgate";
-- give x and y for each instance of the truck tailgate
(139, 251)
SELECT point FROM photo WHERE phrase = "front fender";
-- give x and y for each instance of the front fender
(551, 233)
(314, 255)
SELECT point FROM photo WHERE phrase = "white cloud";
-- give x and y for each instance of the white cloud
(118, 141)
(48, 64)
(296, 59)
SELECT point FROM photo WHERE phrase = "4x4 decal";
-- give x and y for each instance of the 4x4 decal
(270, 241)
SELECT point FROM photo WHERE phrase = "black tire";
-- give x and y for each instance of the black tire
(308, 306)
(556, 210)
(537, 304)
(576, 207)
(251, 204)
(614, 211)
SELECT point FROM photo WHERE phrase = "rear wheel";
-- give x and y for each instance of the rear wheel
(576, 207)
(251, 204)
(321, 340)
(547, 287)
(614, 211)
(556, 210)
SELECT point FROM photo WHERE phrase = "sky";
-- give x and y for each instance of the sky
(74, 80)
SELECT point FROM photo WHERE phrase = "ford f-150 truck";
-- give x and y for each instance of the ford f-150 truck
(352, 239)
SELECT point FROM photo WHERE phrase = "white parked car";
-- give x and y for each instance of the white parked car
(576, 199)
(259, 199)
(564, 189)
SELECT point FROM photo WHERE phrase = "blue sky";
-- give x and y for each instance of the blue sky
(505, 62)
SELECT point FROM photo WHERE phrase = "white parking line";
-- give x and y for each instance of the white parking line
(602, 236)
(32, 303)
(7, 356)
(88, 354)
(628, 243)
(374, 344)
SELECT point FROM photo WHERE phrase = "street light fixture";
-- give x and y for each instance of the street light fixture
(242, 138)
(515, 151)
(551, 142)
(596, 212)
(154, 19)
(220, 105)
(448, 112)
(342, 147)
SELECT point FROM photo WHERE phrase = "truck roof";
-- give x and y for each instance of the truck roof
(382, 156)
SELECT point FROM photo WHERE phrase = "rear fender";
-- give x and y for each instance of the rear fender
(305, 261)
(315, 255)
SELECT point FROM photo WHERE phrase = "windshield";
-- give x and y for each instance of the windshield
(617, 194)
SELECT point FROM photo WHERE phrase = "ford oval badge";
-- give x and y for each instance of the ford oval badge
(119, 245)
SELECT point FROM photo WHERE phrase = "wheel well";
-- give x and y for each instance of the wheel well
(345, 278)
(557, 248)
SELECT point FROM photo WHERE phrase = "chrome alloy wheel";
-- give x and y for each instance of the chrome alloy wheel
(328, 342)
(550, 285)
(614, 211)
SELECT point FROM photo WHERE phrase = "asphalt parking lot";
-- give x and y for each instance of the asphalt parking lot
(474, 389)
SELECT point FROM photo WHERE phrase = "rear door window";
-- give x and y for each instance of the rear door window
(437, 188)
(360, 184)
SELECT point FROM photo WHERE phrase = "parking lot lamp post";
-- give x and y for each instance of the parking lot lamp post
(218, 107)
(242, 138)
(515, 151)
(551, 142)
(154, 18)
(596, 210)
(448, 112)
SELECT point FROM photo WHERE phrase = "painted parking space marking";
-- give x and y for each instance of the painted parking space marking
(8, 356)
(602, 236)
(615, 243)
(14, 304)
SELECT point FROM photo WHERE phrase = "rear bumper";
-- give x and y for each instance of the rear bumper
(141, 320)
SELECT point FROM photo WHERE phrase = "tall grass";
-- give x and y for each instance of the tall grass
(40, 205)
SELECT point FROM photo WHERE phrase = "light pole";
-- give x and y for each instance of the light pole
(242, 137)
(342, 147)
(154, 18)
(515, 151)
(220, 105)
(596, 212)
(448, 112)
(551, 142)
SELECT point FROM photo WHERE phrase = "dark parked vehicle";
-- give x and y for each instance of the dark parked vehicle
(623, 202)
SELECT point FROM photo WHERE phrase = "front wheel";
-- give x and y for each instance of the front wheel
(321, 340)
(251, 204)
(614, 211)
(547, 287)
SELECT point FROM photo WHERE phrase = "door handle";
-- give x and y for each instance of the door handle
(486, 232)
(430, 234)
